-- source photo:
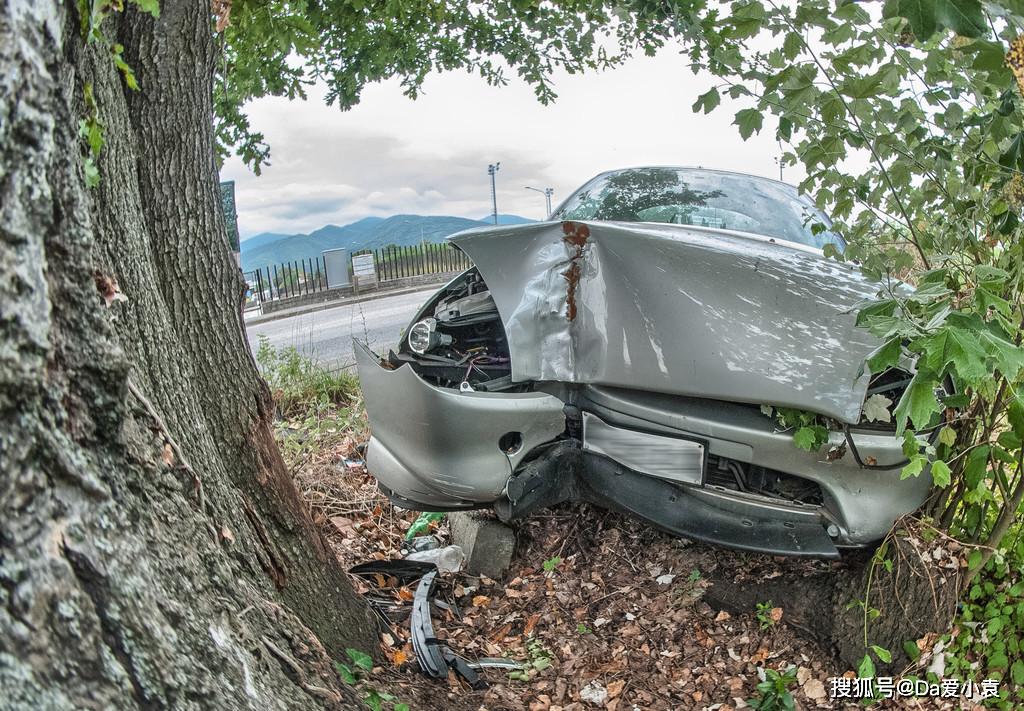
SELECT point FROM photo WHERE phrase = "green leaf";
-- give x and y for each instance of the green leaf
(786, 133)
(792, 45)
(940, 473)
(866, 670)
(1011, 157)
(862, 87)
(956, 347)
(1017, 672)
(749, 121)
(947, 436)
(965, 17)
(911, 446)
(551, 563)
(914, 467)
(360, 659)
(918, 402)
(1008, 357)
(1015, 415)
(976, 465)
(911, 650)
(882, 653)
(830, 251)
(885, 356)
(92, 173)
(708, 101)
(150, 6)
(345, 672)
(810, 438)
(987, 274)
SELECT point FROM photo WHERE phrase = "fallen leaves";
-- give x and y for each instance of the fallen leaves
(614, 607)
(876, 408)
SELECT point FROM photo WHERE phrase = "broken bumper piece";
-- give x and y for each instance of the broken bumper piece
(566, 472)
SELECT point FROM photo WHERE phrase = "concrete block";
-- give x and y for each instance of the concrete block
(487, 543)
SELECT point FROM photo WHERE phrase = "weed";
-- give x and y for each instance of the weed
(357, 673)
(539, 660)
(301, 385)
(582, 628)
(551, 563)
(764, 614)
(688, 592)
(773, 692)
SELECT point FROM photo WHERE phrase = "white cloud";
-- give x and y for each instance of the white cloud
(392, 155)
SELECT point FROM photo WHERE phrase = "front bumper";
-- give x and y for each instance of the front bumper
(440, 449)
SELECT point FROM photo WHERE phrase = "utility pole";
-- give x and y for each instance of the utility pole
(492, 169)
(547, 193)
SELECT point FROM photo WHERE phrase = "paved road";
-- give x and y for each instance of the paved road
(326, 336)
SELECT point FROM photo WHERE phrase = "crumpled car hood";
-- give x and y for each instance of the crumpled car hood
(678, 309)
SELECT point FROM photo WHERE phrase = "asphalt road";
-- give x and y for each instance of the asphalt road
(326, 336)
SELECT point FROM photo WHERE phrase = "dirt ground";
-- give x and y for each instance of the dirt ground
(606, 611)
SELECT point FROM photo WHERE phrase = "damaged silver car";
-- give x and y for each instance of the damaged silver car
(629, 351)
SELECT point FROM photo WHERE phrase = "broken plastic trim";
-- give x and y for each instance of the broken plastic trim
(566, 473)
(432, 654)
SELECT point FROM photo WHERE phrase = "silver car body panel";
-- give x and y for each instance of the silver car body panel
(678, 309)
(666, 457)
(439, 446)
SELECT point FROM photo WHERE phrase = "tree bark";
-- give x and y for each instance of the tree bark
(153, 550)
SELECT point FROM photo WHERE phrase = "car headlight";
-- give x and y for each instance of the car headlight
(423, 336)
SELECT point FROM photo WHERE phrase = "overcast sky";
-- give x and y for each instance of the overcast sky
(392, 155)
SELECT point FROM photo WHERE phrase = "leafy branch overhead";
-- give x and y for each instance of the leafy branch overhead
(281, 48)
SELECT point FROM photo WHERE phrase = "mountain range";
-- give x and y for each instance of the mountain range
(268, 248)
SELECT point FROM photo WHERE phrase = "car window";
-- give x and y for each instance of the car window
(691, 196)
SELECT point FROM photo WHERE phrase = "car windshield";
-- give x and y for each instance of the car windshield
(706, 198)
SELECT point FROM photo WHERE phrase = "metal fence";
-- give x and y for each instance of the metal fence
(308, 276)
(417, 260)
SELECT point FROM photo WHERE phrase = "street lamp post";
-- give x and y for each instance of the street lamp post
(492, 169)
(547, 193)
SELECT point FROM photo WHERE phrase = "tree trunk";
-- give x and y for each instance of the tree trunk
(153, 549)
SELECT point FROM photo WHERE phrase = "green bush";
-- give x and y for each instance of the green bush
(989, 643)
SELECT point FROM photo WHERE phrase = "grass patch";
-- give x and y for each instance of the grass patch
(300, 384)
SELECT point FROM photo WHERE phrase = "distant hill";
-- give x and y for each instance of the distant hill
(261, 239)
(268, 248)
(506, 219)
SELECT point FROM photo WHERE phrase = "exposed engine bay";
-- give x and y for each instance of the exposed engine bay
(458, 341)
